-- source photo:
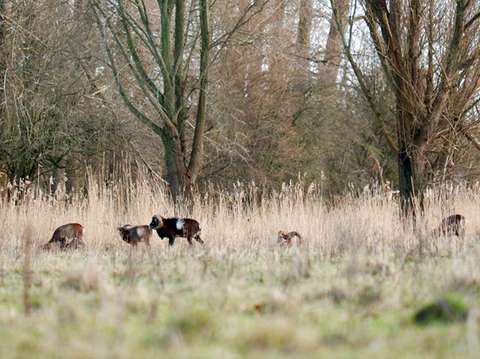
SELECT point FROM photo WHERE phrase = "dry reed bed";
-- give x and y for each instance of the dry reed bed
(365, 222)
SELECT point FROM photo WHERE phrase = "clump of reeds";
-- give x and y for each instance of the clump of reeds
(247, 216)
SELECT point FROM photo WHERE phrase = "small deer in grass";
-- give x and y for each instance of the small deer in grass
(451, 225)
(287, 238)
(135, 234)
(172, 228)
(66, 237)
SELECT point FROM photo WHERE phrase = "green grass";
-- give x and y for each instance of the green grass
(192, 303)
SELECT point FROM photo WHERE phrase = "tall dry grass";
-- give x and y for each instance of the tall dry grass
(245, 217)
(349, 291)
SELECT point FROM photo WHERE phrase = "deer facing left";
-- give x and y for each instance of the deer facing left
(66, 237)
(136, 234)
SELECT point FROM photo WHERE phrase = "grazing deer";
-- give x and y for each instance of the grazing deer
(452, 225)
(136, 234)
(286, 238)
(61, 235)
(176, 227)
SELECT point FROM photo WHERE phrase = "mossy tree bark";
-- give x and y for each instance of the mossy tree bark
(168, 100)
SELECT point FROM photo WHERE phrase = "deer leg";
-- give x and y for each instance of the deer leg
(77, 243)
(299, 240)
(47, 246)
(189, 239)
(198, 239)
(63, 243)
(147, 243)
(171, 241)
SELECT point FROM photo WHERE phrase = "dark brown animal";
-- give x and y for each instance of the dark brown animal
(452, 225)
(287, 238)
(63, 237)
(135, 234)
(172, 228)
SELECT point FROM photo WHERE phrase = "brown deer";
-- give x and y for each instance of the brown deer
(68, 236)
(135, 234)
(177, 227)
(74, 244)
(287, 238)
(451, 225)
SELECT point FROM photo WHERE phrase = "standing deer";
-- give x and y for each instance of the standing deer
(136, 234)
(452, 225)
(177, 227)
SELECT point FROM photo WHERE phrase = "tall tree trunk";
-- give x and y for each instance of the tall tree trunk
(72, 186)
(176, 172)
(411, 165)
(276, 55)
(411, 180)
(303, 39)
(333, 50)
(302, 75)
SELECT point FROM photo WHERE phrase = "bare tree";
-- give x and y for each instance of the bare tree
(34, 133)
(159, 55)
(432, 66)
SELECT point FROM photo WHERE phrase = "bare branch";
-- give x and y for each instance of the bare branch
(361, 78)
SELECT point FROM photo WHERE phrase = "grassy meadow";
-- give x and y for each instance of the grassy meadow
(350, 291)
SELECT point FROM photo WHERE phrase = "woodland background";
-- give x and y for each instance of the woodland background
(283, 101)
